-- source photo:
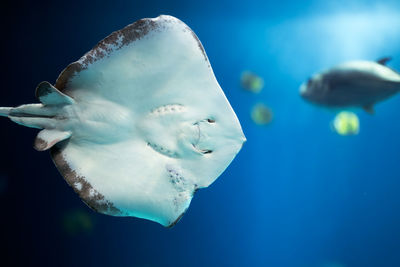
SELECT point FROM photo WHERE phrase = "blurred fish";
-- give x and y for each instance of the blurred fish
(251, 82)
(346, 123)
(261, 114)
(353, 84)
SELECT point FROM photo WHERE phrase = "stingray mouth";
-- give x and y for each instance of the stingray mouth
(200, 145)
(198, 134)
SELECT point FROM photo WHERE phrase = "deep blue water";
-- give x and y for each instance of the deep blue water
(297, 194)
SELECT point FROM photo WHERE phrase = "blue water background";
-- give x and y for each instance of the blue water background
(296, 195)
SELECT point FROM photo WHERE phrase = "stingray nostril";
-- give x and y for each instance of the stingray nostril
(210, 120)
(206, 151)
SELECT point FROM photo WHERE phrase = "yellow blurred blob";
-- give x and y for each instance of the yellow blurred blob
(251, 82)
(346, 123)
(261, 114)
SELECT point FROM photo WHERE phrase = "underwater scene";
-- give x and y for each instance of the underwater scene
(136, 157)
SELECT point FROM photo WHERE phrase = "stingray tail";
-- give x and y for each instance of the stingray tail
(39, 115)
(42, 116)
(31, 115)
(5, 111)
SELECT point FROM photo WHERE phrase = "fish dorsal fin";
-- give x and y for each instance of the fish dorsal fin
(48, 138)
(49, 95)
(369, 109)
(384, 60)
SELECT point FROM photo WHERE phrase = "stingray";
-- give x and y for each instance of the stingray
(139, 123)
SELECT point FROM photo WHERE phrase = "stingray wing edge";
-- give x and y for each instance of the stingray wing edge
(117, 40)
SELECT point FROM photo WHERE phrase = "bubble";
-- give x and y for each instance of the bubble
(346, 123)
(251, 82)
(261, 114)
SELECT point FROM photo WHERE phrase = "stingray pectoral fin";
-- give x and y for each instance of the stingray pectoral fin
(49, 95)
(48, 138)
(125, 179)
(369, 109)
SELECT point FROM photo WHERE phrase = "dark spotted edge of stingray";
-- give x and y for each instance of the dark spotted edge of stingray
(39, 144)
(177, 220)
(97, 202)
(130, 33)
(183, 213)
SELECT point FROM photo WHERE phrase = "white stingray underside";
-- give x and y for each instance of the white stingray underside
(150, 124)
